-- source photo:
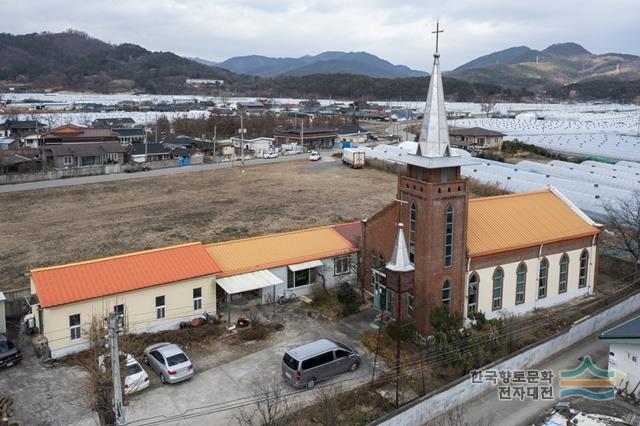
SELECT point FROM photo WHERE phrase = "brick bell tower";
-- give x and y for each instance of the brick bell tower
(433, 202)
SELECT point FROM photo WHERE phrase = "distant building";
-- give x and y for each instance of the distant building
(71, 133)
(111, 123)
(128, 136)
(66, 156)
(8, 143)
(142, 152)
(181, 142)
(313, 137)
(251, 108)
(258, 146)
(475, 137)
(624, 355)
(17, 129)
(352, 133)
(204, 82)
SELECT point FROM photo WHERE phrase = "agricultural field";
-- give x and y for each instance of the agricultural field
(74, 223)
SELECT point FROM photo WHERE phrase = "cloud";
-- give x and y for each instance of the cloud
(399, 31)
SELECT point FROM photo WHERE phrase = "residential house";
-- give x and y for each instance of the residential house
(475, 138)
(624, 355)
(257, 146)
(313, 138)
(7, 143)
(497, 255)
(69, 155)
(33, 140)
(181, 142)
(70, 133)
(129, 135)
(260, 269)
(17, 129)
(251, 108)
(112, 123)
(19, 160)
(352, 133)
(153, 290)
(145, 152)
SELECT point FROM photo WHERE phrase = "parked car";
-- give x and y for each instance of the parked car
(306, 365)
(9, 354)
(136, 380)
(314, 156)
(270, 155)
(169, 361)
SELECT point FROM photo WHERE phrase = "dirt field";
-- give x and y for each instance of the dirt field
(74, 223)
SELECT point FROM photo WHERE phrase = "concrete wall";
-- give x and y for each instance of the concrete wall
(553, 297)
(621, 361)
(140, 312)
(436, 403)
(58, 174)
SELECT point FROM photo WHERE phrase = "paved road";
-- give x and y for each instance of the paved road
(158, 172)
(487, 409)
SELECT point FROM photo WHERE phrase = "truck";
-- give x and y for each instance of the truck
(353, 157)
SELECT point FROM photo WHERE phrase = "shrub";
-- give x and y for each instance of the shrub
(401, 330)
(348, 298)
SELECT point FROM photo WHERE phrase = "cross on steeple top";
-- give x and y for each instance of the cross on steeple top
(437, 33)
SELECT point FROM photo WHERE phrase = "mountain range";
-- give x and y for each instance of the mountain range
(558, 64)
(361, 63)
(73, 60)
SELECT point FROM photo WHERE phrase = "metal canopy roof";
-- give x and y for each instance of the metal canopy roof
(249, 281)
(305, 265)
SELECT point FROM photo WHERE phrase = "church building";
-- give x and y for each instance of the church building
(435, 245)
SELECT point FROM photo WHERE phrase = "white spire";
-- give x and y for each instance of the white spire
(434, 133)
(400, 258)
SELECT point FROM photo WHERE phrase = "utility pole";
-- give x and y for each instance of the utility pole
(302, 136)
(215, 134)
(118, 407)
(242, 130)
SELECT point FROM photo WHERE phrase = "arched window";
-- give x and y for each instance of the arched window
(521, 282)
(472, 301)
(543, 278)
(498, 277)
(564, 273)
(584, 267)
(448, 238)
(446, 293)
(412, 232)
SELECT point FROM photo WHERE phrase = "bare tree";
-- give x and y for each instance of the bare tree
(624, 220)
(488, 106)
(328, 401)
(98, 387)
(272, 409)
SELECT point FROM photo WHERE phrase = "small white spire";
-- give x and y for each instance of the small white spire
(434, 133)
(400, 258)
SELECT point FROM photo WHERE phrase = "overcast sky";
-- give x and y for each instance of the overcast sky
(396, 30)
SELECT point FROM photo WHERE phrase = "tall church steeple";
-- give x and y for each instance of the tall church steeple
(434, 134)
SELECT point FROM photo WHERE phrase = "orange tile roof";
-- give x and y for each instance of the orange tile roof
(75, 282)
(509, 222)
(271, 251)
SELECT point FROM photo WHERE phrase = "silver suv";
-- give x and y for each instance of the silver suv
(306, 365)
(169, 362)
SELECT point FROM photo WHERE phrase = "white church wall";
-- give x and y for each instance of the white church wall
(553, 297)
